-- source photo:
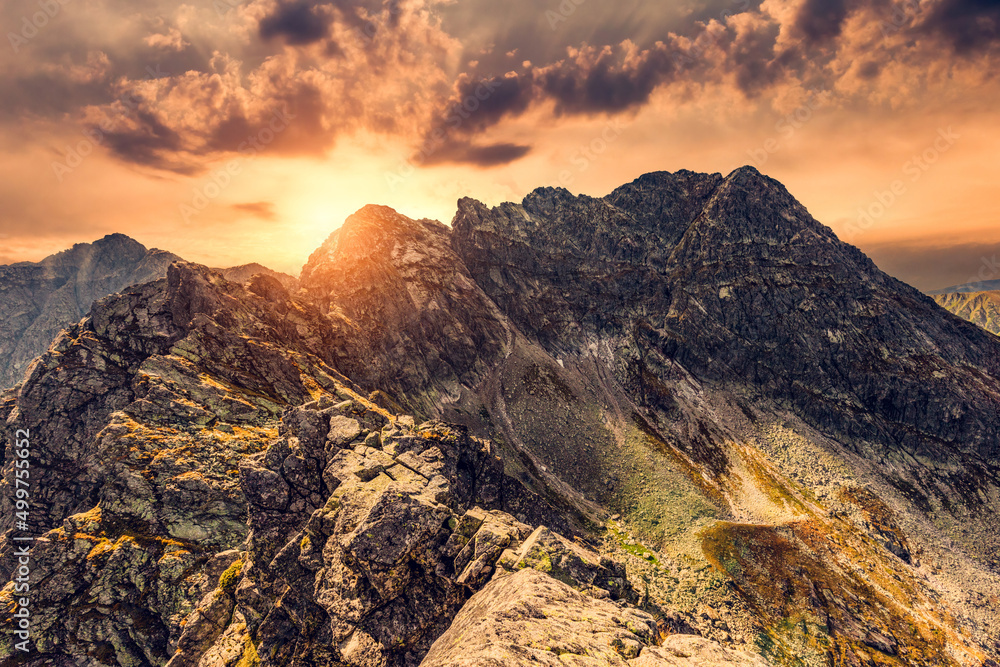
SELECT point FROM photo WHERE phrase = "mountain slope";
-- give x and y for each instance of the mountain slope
(38, 299)
(687, 397)
(980, 308)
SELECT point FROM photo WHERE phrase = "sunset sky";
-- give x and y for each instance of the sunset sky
(231, 131)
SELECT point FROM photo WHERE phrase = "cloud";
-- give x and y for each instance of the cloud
(171, 41)
(821, 20)
(155, 146)
(606, 80)
(414, 70)
(968, 25)
(304, 76)
(460, 152)
(259, 209)
(297, 22)
(860, 52)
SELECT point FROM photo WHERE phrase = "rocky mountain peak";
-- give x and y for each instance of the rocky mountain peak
(372, 233)
(118, 241)
(401, 288)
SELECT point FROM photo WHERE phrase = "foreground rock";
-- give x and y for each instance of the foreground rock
(367, 536)
(139, 417)
(529, 618)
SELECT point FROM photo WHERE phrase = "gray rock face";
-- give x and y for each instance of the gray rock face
(361, 555)
(421, 323)
(739, 286)
(139, 417)
(39, 299)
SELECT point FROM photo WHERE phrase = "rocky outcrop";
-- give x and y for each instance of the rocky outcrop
(424, 327)
(980, 308)
(139, 417)
(529, 618)
(184, 509)
(367, 535)
(722, 288)
(37, 299)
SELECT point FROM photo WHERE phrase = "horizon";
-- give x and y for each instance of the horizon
(295, 269)
(258, 126)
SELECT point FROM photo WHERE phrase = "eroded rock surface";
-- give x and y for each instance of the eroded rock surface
(530, 618)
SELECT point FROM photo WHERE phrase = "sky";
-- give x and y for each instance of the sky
(236, 131)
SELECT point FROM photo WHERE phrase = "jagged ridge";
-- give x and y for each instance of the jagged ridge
(802, 450)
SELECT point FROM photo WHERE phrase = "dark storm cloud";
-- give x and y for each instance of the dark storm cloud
(606, 81)
(479, 104)
(297, 22)
(290, 124)
(752, 58)
(869, 70)
(821, 19)
(459, 152)
(593, 81)
(606, 84)
(155, 146)
(968, 25)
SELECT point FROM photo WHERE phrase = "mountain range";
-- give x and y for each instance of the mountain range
(39, 299)
(981, 286)
(682, 424)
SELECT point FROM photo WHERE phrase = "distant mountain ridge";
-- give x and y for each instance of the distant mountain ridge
(37, 299)
(244, 272)
(981, 286)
